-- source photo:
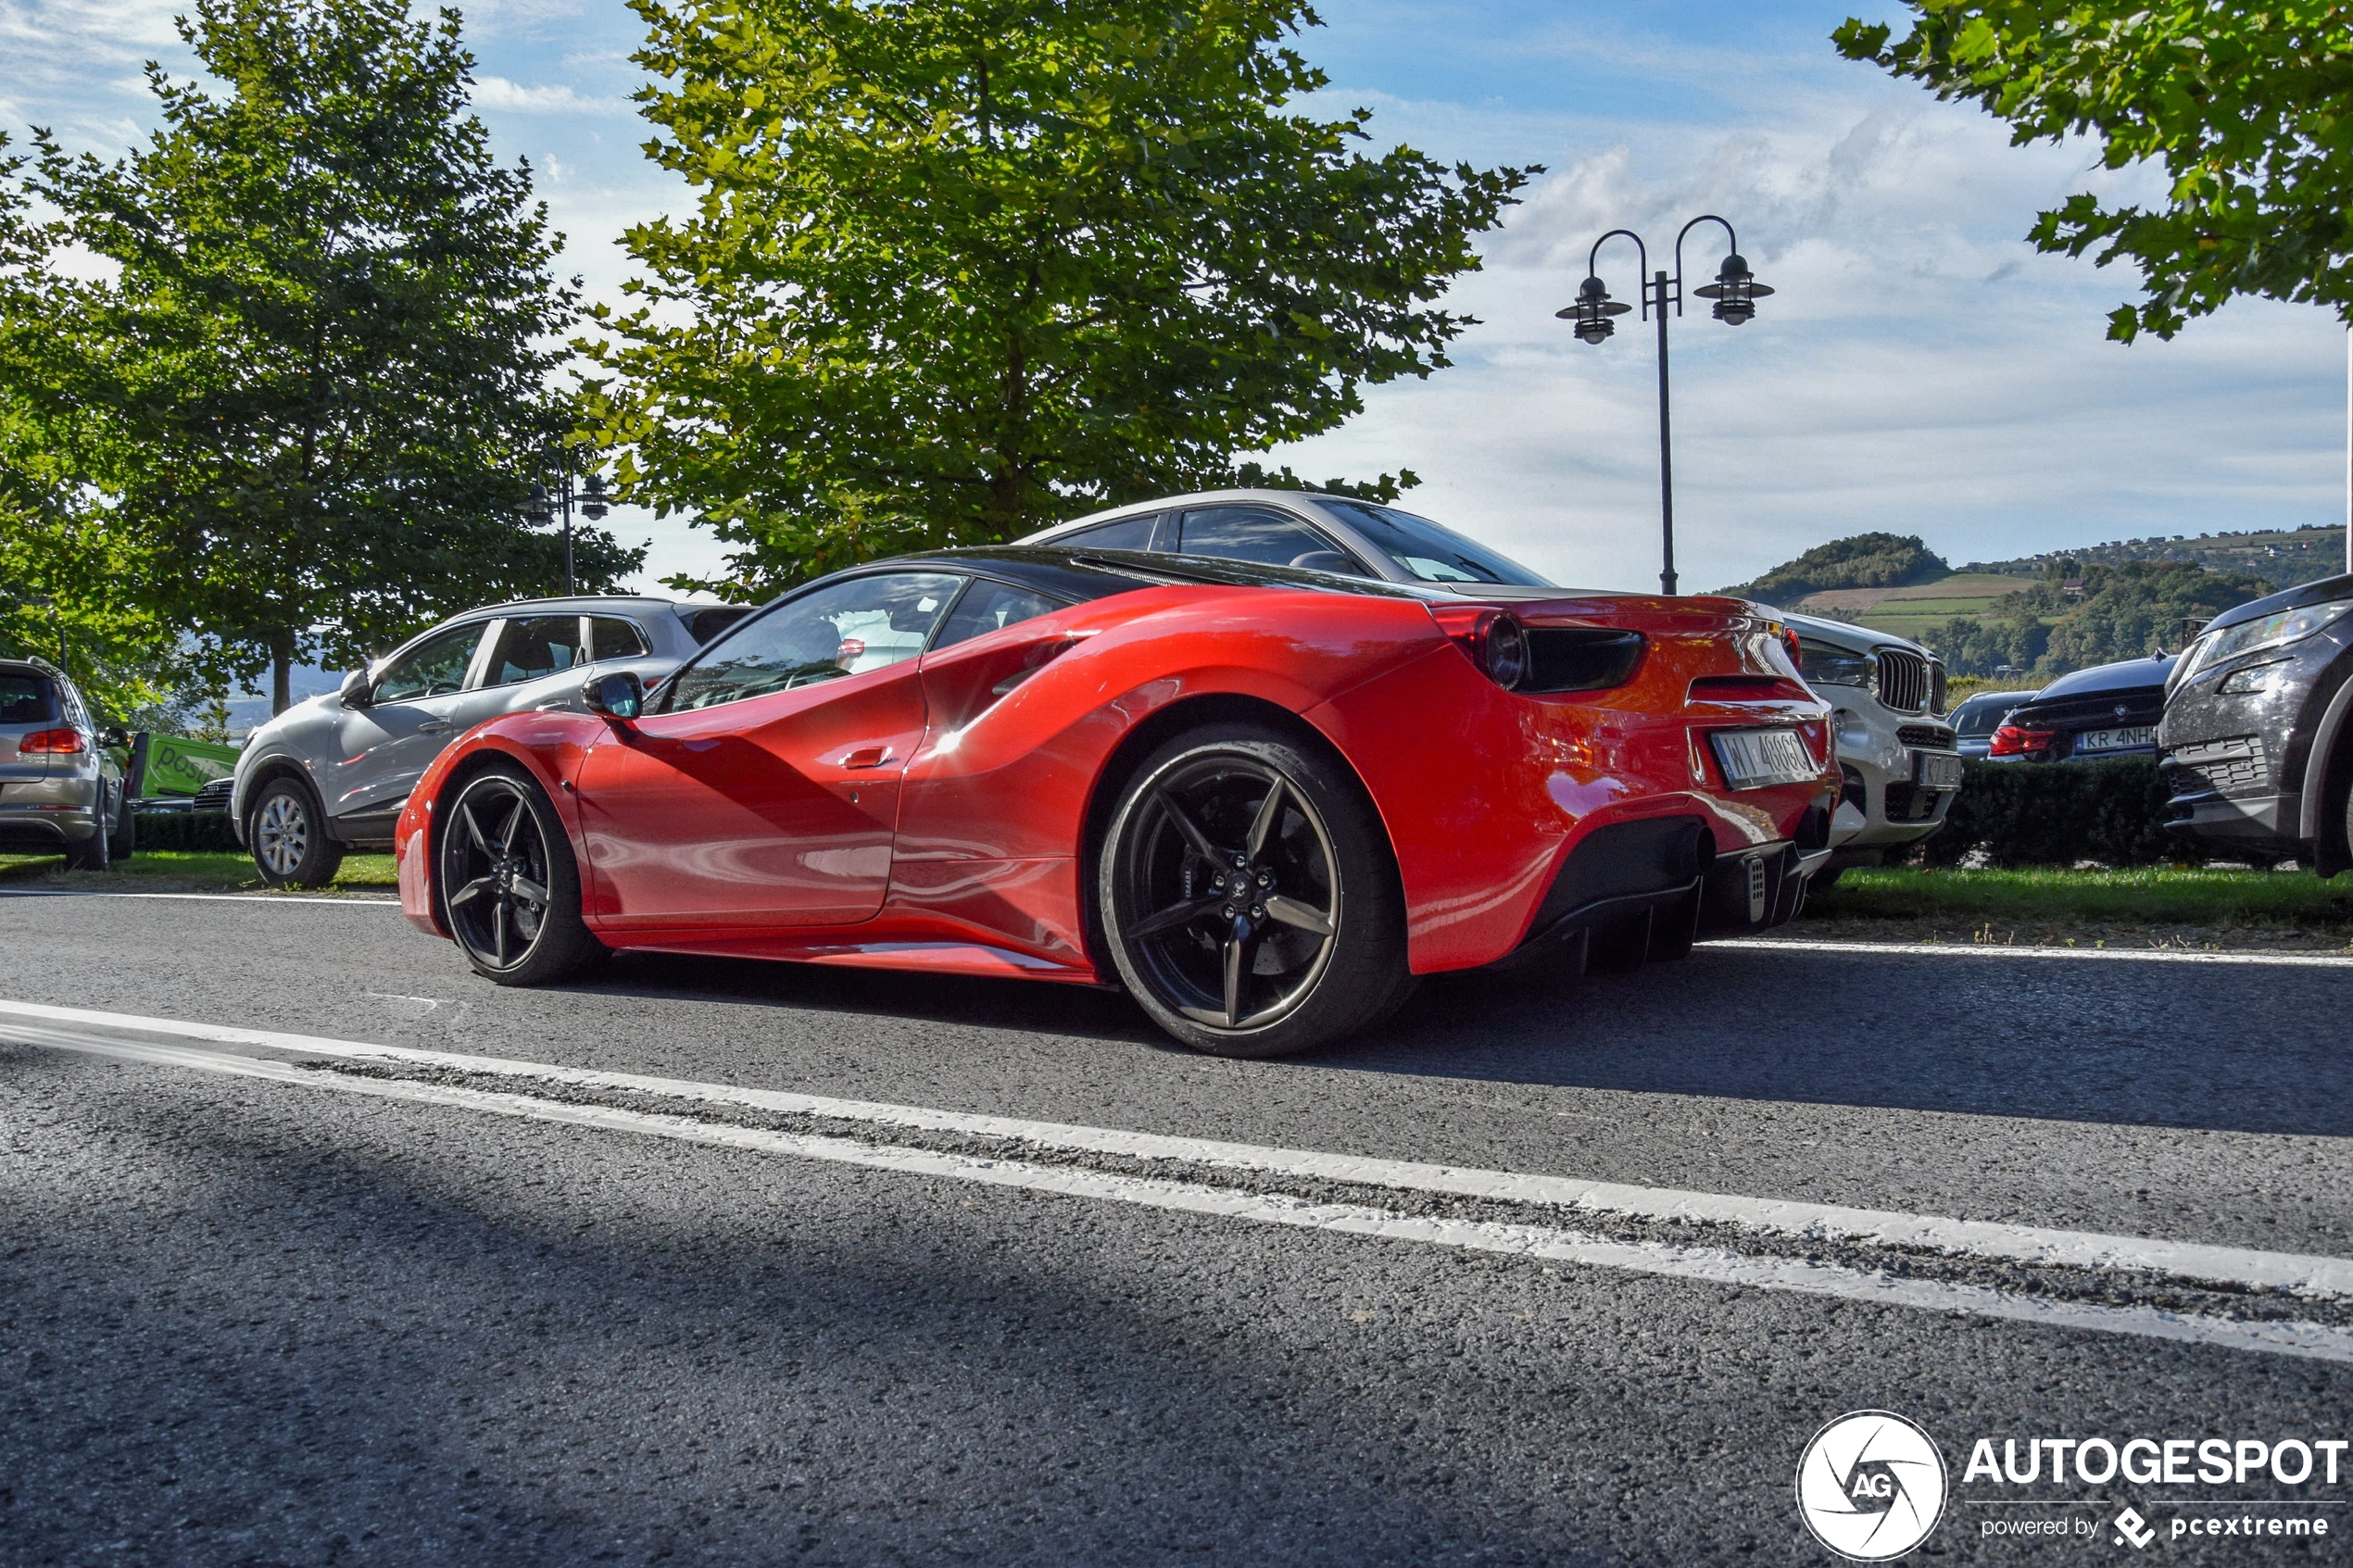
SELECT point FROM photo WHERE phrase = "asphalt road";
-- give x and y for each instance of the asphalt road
(302, 1318)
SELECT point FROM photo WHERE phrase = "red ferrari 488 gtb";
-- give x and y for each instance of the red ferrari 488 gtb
(1263, 799)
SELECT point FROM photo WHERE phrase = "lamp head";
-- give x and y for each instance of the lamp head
(1592, 311)
(594, 498)
(1735, 290)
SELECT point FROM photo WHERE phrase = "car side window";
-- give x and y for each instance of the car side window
(1126, 533)
(433, 668)
(611, 637)
(533, 645)
(1260, 534)
(847, 629)
(989, 607)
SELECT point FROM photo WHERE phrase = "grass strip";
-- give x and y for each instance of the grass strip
(2208, 896)
(182, 869)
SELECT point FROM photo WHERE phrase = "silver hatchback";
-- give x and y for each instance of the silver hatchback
(60, 792)
(331, 774)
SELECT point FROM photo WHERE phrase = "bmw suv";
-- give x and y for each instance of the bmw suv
(60, 792)
(1895, 750)
(331, 774)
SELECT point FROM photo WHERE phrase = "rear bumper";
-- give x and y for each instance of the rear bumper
(41, 816)
(1649, 888)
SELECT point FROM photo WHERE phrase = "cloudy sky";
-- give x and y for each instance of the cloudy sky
(1920, 370)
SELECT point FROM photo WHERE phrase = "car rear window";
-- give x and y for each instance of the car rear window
(28, 699)
(1430, 552)
(706, 624)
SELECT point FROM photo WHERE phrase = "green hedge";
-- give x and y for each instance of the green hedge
(186, 830)
(2058, 813)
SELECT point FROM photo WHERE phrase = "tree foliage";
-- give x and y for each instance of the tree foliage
(324, 360)
(961, 267)
(2248, 108)
(1860, 561)
(59, 562)
(2127, 611)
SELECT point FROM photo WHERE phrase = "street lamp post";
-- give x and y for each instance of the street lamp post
(1735, 292)
(543, 505)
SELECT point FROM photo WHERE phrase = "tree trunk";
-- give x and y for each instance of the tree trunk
(280, 673)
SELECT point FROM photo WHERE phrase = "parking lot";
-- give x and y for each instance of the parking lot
(716, 1261)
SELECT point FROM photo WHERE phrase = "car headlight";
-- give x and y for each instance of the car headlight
(1826, 664)
(2271, 631)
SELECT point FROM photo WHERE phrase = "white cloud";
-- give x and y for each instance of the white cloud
(500, 95)
(1920, 370)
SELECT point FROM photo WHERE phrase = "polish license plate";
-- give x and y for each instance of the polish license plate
(1752, 759)
(2115, 740)
(1937, 770)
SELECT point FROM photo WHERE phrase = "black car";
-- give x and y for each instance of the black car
(1976, 717)
(2255, 743)
(2106, 711)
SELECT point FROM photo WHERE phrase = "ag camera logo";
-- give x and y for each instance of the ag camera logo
(1870, 1485)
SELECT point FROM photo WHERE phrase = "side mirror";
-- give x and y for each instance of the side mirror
(620, 696)
(356, 692)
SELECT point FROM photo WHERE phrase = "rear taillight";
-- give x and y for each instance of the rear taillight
(54, 743)
(1494, 639)
(2011, 741)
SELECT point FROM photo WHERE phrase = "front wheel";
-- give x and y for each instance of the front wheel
(1247, 896)
(510, 887)
(289, 843)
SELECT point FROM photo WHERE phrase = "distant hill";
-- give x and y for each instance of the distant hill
(2281, 555)
(1860, 561)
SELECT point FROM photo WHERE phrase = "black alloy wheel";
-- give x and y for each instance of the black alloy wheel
(510, 887)
(1247, 899)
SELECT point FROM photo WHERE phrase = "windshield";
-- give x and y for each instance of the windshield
(1430, 552)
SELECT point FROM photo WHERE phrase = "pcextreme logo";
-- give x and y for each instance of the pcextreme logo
(1870, 1485)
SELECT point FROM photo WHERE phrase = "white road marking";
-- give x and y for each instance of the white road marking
(1991, 950)
(2310, 1341)
(2230, 1266)
(199, 897)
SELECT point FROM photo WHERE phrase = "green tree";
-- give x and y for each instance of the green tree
(1860, 561)
(961, 267)
(324, 349)
(2248, 110)
(58, 561)
(2127, 611)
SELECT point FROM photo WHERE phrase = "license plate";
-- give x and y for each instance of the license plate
(1752, 759)
(1937, 770)
(2115, 740)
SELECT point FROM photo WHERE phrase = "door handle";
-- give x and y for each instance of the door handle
(432, 726)
(867, 756)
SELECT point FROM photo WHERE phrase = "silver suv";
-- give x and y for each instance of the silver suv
(1894, 746)
(59, 789)
(331, 774)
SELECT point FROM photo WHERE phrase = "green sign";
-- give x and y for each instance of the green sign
(183, 767)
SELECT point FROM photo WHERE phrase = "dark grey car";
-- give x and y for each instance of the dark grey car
(2258, 740)
(331, 774)
(60, 791)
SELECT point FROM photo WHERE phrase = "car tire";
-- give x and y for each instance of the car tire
(90, 854)
(124, 842)
(286, 834)
(1826, 879)
(509, 884)
(1308, 946)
